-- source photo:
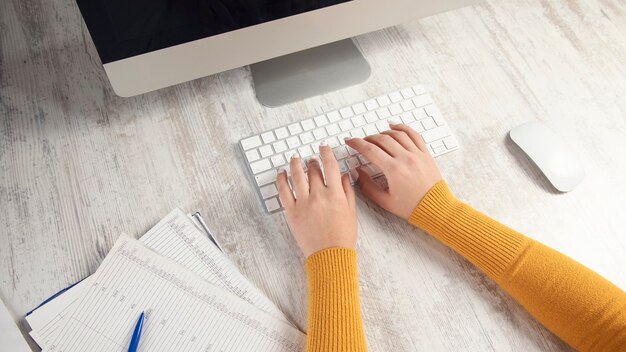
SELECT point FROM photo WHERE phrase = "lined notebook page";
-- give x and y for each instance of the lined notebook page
(176, 237)
(183, 312)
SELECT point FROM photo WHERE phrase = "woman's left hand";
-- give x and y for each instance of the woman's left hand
(321, 215)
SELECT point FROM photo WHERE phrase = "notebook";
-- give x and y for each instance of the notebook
(178, 243)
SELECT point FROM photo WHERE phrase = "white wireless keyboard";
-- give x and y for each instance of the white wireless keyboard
(267, 152)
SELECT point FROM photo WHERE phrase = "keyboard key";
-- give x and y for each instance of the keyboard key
(437, 144)
(320, 134)
(266, 151)
(450, 142)
(359, 108)
(371, 117)
(358, 133)
(346, 112)
(280, 146)
(435, 134)
(371, 104)
(363, 160)
(316, 146)
(419, 90)
(332, 142)
(305, 151)
(293, 142)
(395, 109)
(407, 105)
(252, 155)
(290, 153)
(407, 118)
(437, 148)
(358, 121)
(260, 166)
(417, 126)
(439, 120)
(343, 168)
(308, 124)
(251, 142)
(269, 191)
(306, 138)
(321, 120)
(383, 101)
(354, 176)
(407, 93)
(382, 126)
(345, 125)
(341, 152)
(295, 128)
(431, 110)
(370, 130)
(342, 137)
(395, 120)
(266, 177)
(353, 162)
(428, 123)
(333, 116)
(395, 97)
(272, 204)
(281, 133)
(268, 137)
(383, 113)
(419, 114)
(332, 129)
(422, 100)
(278, 160)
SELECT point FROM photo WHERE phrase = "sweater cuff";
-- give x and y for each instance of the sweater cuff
(489, 245)
(436, 205)
(333, 271)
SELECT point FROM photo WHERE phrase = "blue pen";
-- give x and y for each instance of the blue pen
(134, 341)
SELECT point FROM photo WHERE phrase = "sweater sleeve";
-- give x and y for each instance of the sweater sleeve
(335, 322)
(578, 305)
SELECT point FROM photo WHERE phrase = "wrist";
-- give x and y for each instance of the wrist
(437, 206)
(323, 253)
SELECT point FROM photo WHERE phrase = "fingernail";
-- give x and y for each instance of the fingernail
(295, 156)
(347, 138)
(324, 144)
(281, 170)
(312, 159)
(394, 124)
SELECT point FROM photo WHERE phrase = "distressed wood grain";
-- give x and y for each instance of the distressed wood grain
(79, 166)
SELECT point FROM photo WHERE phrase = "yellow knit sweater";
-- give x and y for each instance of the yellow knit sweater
(581, 307)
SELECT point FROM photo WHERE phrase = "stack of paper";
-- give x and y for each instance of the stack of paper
(194, 299)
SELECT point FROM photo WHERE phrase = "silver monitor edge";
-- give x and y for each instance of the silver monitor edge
(185, 62)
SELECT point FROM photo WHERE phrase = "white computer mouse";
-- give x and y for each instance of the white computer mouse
(550, 154)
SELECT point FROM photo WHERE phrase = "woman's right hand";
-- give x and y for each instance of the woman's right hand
(403, 157)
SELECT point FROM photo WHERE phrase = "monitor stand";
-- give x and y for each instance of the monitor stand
(308, 73)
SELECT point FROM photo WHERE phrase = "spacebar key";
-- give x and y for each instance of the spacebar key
(436, 133)
(266, 177)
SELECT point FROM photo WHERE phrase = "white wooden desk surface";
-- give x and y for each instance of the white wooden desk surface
(79, 165)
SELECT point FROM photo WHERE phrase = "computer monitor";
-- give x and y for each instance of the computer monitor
(146, 45)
